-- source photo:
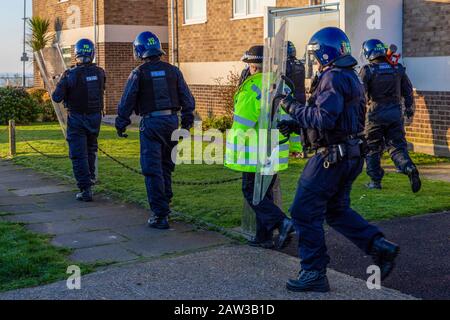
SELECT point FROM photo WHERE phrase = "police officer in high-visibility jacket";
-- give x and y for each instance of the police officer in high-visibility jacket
(241, 155)
(81, 89)
(156, 91)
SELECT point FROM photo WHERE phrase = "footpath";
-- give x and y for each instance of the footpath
(183, 263)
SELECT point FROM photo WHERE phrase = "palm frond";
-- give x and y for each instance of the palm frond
(40, 33)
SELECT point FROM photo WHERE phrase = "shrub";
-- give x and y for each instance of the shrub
(222, 123)
(47, 112)
(17, 104)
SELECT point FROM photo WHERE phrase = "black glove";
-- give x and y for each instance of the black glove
(287, 104)
(409, 113)
(121, 132)
(187, 124)
(287, 127)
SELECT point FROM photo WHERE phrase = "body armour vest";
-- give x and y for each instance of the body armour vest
(351, 120)
(86, 88)
(158, 87)
(385, 84)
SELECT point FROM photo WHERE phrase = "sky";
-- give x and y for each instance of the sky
(11, 26)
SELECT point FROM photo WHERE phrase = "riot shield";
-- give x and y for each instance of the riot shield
(274, 69)
(51, 66)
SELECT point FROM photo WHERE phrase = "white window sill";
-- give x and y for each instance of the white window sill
(250, 16)
(193, 22)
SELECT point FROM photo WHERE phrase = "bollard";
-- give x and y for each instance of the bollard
(248, 222)
(12, 138)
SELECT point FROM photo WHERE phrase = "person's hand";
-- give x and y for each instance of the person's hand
(186, 124)
(121, 132)
(287, 127)
(287, 103)
(409, 113)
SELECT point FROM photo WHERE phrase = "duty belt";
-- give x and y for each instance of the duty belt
(335, 153)
(159, 113)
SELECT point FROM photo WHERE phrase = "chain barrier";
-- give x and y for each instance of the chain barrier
(176, 182)
(129, 168)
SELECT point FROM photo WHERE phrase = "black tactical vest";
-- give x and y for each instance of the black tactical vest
(86, 88)
(385, 83)
(351, 120)
(158, 87)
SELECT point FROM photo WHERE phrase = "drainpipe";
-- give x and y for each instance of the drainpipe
(95, 27)
(172, 30)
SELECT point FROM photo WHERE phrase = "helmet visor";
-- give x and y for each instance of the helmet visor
(312, 65)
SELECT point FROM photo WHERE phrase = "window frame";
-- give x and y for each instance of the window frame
(187, 21)
(247, 15)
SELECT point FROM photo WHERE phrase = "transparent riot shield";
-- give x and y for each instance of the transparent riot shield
(51, 66)
(274, 69)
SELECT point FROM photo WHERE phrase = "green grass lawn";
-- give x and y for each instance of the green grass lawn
(28, 259)
(219, 204)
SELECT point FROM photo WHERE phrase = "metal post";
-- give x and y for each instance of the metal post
(12, 138)
(24, 55)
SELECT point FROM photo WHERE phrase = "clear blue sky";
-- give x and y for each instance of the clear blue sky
(11, 26)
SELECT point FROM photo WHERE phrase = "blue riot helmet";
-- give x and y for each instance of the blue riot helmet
(84, 51)
(373, 49)
(147, 45)
(328, 45)
(291, 50)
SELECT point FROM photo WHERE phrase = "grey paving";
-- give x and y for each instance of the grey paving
(227, 272)
(42, 190)
(180, 263)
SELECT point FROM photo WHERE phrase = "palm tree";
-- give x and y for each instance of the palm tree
(40, 33)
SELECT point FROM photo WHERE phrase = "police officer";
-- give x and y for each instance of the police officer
(156, 91)
(336, 114)
(385, 85)
(295, 71)
(241, 155)
(81, 89)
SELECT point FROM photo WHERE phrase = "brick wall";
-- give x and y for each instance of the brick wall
(426, 28)
(136, 12)
(426, 32)
(429, 130)
(221, 38)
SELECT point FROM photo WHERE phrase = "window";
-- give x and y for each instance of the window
(250, 8)
(194, 11)
(67, 55)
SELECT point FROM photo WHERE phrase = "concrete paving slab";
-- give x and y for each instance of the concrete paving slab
(56, 228)
(20, 208)
(229, 272)
(174, 243)
(49, 189)
(116, 221)
(87, 239)
(15, 200)
(142, 231)
(43, 217)
(108, 253)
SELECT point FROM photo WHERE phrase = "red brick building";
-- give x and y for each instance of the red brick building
(206, 39)
(112, 25)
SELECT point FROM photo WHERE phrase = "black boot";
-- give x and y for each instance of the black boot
(161, 223)
(383, 254)
(85, 195)
(266, 244)
(285, 229)
(315, 281)
(414, 178)
(374, 185)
